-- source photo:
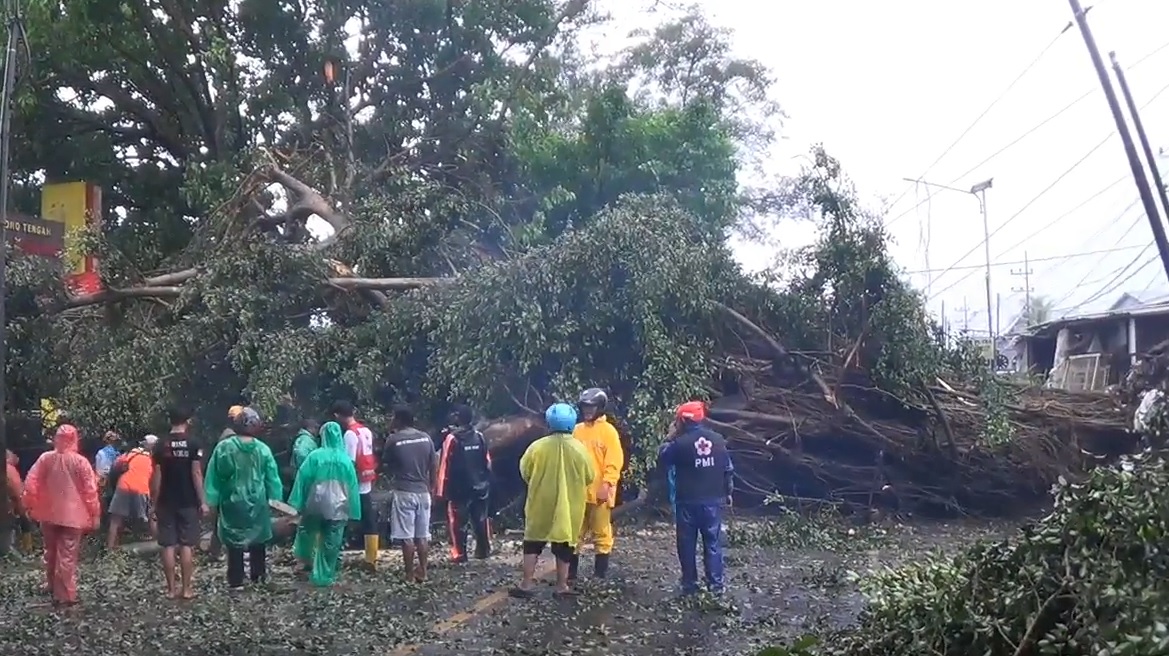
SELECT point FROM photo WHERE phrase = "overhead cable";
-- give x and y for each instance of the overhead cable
(1027, 69)
(1030, 131)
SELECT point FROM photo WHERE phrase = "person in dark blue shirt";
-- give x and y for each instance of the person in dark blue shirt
(703, 486)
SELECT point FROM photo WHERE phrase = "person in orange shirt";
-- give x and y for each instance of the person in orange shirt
(131, 499)
(602, 442)
(60, 492)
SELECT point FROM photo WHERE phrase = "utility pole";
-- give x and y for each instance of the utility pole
(15, 31)
(1130, 151)
(979, 192)
(1026, 288)
(965, 310)
(1139, 126)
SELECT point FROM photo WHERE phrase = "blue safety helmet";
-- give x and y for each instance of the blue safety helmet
(561, 418)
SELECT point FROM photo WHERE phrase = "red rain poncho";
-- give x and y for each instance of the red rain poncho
(61, 493)
(61, 487)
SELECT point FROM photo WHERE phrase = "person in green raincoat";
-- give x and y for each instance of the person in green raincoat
(242, 477)
(327, 496)
(558, 471)
(305, 443)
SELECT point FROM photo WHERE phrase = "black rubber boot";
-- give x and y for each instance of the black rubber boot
(573, 567)
(601, 566)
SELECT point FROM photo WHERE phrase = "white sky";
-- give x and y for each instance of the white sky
(888, 86)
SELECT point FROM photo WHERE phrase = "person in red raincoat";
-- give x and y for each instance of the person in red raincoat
(60, 492)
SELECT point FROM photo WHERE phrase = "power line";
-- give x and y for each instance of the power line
(1019, 213)
(1021, 137)
(1050, 258)
(1042, 193)
(993, 103)
(1118, 281)
(1083, 279)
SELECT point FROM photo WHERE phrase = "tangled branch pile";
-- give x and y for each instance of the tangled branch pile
(1090, 578)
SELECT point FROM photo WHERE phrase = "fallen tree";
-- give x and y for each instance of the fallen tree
(856, 400)
(502, 231)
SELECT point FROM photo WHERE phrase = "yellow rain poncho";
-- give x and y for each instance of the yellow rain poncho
(242, 477)
(558, 471)
(327, 497)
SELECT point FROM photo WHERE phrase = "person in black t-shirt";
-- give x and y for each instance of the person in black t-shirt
(176, 488)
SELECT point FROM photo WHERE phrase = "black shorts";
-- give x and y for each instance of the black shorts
(178, 527)
(560, 550)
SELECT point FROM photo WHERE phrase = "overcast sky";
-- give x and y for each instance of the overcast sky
(889, 86)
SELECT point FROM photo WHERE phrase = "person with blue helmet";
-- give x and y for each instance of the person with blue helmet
(558, 471)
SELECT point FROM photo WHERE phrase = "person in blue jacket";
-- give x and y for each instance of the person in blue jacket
(703, 483)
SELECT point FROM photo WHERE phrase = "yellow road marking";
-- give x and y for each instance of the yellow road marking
(481, 606)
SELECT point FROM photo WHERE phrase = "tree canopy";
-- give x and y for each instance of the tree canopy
(466, 148)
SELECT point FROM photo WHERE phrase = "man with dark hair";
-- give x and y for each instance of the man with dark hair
(176, 489)
(464, 480)
(359, 446)
(412, 464)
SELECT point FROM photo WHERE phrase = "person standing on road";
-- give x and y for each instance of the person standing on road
(61, 493)
(242, 477)
(704, 478)
(325, 493)
(103, 462)
(176, 490)
(411, 462)
(601, 441)
(305, 443)
(558, 471)
(464, 481)
(359, 446)
(131, 499)
(16, 504)
(214, 547)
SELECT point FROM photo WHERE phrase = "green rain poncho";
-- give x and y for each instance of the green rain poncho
(327, 497)
(242, 477)
(304, 445)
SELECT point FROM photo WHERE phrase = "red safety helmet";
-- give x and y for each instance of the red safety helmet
(691, 411)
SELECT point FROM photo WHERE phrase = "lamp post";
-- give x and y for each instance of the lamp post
(979, 193)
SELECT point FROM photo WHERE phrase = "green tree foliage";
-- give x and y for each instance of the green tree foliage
(461, 140)
(1090, 578)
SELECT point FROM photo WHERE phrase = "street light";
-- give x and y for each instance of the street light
(979, 193)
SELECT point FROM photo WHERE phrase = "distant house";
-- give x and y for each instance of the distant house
(1092, 350)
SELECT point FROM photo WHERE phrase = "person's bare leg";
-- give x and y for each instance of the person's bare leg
(423, 548)
(168, 571)
(529, 580)
(187, 564)
(562, 586)
(112, 537)
(408, 559)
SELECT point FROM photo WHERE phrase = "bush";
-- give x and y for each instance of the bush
(1090, 578)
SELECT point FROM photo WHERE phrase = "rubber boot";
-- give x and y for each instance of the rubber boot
(601, 566)
(573, 567)
(26, 542)
(371, 545)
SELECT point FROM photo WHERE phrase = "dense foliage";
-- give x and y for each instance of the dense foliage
(1090, 578)
(558, 221)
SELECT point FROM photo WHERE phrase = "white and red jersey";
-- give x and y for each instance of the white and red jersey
(359, 446)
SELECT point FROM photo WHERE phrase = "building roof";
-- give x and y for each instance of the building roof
(1126, 305)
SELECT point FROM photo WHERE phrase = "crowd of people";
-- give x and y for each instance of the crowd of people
(172, 483)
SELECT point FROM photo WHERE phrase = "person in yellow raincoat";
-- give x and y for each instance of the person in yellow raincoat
(558, 472)
(327, 497)
(603, 444)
